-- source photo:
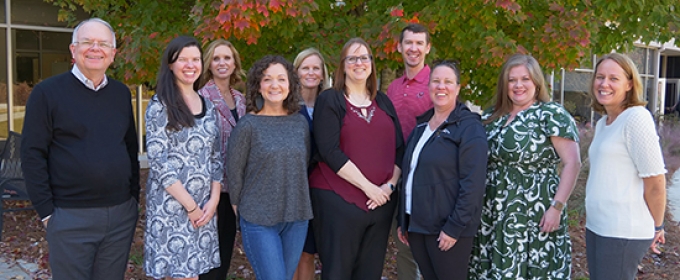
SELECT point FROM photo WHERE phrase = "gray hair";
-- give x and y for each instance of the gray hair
(74, 39)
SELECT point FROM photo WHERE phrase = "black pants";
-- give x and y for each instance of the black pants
(436, 264)
(351, 242)
(226, 231)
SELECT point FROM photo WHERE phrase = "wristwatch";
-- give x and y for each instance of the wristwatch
(557, 205)
(392, 188)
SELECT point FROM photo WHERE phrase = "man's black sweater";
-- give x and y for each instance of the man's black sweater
(79, 146)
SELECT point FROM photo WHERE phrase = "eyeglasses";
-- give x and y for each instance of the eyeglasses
(90, 44)
(357, 59)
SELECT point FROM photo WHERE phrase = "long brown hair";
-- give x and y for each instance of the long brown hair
(371, 82)
(503, 103)
(168, 92)
(238, 73)
(634, 95)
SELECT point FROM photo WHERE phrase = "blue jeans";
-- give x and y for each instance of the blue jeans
(274, 251)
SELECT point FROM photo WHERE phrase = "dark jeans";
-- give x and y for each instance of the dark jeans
(351, 242)
(91, 243)
(614, 258)
(226, 231)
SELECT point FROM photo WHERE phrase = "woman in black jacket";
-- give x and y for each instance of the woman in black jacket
(444, 175)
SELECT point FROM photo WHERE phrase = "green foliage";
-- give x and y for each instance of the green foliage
(480, 34)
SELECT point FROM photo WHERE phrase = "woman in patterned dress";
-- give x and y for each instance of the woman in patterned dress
(626, 188)
(221, 70)
(183, 189)
(524, 233)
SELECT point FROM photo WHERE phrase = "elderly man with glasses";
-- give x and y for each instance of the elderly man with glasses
(79, 154)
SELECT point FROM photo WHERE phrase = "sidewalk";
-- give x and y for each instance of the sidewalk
(673, 195)
(19, 270)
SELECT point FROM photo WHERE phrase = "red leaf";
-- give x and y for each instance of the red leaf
(241, 24)
(275, 5)
(223, 17)
(397, 13)
(262, 10)
(153, 35)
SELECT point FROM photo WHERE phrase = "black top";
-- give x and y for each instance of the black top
(234, 113)
(329, 114)
(449, 181)
(79, 146)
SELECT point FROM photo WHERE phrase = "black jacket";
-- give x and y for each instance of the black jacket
(329, 115)
(449, 181)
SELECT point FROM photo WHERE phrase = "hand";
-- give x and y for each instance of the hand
(376, 197)
(195, 216)
(446, 242)
(403, 237)
(551, 220)
(659, 238)
(235, 210)
(45, 222)
(209, 210)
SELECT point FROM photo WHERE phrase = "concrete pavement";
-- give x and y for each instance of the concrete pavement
(16, 270)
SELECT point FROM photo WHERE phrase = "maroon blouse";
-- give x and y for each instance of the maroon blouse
(369, 142)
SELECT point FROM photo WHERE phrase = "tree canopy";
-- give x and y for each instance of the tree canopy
(480, 34)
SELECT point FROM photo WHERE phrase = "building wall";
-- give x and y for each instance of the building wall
(38, 49)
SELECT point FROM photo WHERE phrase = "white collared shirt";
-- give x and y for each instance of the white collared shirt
(87, 82)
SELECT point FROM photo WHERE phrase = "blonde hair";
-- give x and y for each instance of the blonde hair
(325, 83)
(634, 95)
(238, 73)
(503, 103)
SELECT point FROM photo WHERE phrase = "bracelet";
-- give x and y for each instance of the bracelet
(192, 210)
(659, 228)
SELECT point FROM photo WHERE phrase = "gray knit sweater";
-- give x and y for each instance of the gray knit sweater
(267, 169)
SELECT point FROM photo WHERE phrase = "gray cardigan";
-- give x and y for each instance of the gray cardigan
(267, 169)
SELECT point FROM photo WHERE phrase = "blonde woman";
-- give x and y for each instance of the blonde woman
(626, 188)
(221, 70)
(313, 74)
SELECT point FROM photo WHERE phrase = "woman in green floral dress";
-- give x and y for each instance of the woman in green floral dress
(524, 232)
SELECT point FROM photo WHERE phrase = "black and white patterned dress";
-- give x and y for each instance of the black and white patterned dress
(172, 246)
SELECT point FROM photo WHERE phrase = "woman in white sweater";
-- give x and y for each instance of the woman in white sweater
(626, 188)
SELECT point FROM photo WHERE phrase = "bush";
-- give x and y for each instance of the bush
(21, 92)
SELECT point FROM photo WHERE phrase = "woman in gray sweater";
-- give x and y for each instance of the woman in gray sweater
(267, 159)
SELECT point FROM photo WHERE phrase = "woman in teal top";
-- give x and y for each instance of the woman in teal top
(524, 233)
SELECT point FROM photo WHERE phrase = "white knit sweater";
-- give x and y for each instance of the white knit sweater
(621, 154)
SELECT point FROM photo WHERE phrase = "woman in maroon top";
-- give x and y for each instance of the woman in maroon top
(360, 143)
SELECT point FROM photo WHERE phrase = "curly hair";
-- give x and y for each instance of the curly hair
(255, 75)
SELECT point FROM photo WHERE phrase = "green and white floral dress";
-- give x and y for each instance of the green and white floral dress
(522, 179)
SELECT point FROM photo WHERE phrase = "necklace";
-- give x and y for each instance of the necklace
(363, 103)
